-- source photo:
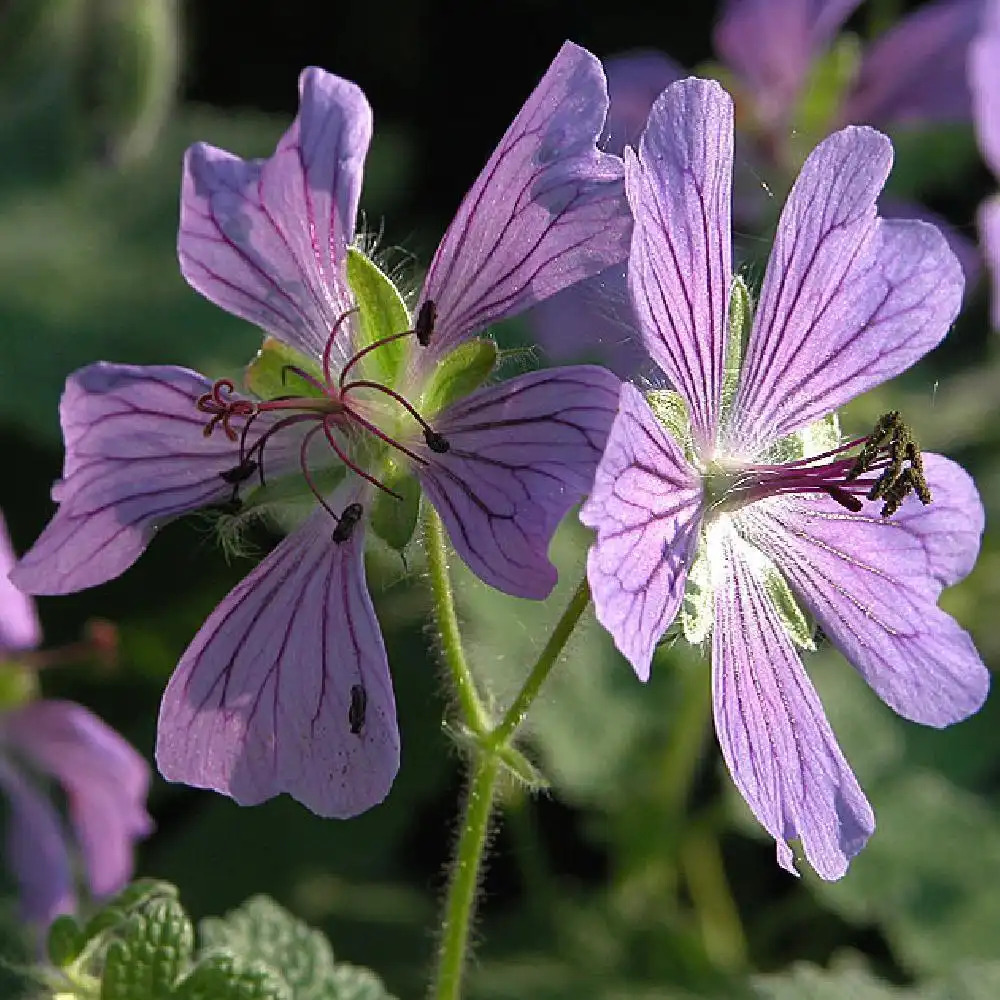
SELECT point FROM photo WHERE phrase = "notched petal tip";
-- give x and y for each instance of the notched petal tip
(264, 700)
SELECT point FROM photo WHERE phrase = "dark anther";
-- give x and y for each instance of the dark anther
(347, 522)
(845, 499)
(892, 441)
(239, 473)
(886, 427)
(424, 327)
(359, 706)
(436, 442)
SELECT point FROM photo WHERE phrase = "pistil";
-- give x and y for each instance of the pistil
(333, 410)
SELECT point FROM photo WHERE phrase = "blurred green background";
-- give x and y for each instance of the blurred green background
(641, 873)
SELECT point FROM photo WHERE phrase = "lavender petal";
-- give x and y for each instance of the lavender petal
(984, 78)
(849, 300)
(547, 211)
(19, 628)
(989, 229)
(106, 783)
(635, 80)
(916, 72)
(872, 583)
(261, 701)
(771, 44)
(645, 507)
(774, 736)
(136, 458)
(520, 455)
(680, 268)
(267, 239)
(35, 850)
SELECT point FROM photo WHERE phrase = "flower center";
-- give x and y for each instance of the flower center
(333, 408)
(887, 466)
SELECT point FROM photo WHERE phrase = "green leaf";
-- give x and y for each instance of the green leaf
(268, 375)
(382, 313)
(154, 950)
(849, 979)
(921, 877)
(670, 409)
(395, 521)
(457, 374)
(351, 982)
(134, 896)
(223, 976)
(263, 930)
(65, 941)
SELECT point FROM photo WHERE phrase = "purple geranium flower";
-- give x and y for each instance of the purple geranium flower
(286, 686)
(732, 503)
(913, 76)
(104, 779)
(984, 73)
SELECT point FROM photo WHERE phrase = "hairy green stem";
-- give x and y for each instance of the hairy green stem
(473, 713)
(464, 883)
(486, 763)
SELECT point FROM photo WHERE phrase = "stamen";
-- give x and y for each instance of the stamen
(367, 350)
(359, 704)
(329, 344)
(353, 466)
(436, 442)
(392, 394)
(347, 522)
(304, 375)
(904, 471)
(424, 326)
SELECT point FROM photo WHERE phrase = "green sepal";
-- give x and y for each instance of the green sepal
(18, 685)
(395, 521)
(65, 941)
(224, 976)
(457, 374)
(820, 436)
(267, 376)
(671, 411)
(740, 320)
(382, 312)
(793, 619)
(153, 951)
(830, 76)
(698, 605)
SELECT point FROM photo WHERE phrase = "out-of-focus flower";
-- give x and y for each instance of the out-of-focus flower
(286, 688)
(732, 502)
(794, 80)
(105, 781)
(984, 73)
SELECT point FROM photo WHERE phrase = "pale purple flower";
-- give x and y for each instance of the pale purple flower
(984, 73)
(286, 687)
(735, 504)
(913, 76)
(105, 782)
